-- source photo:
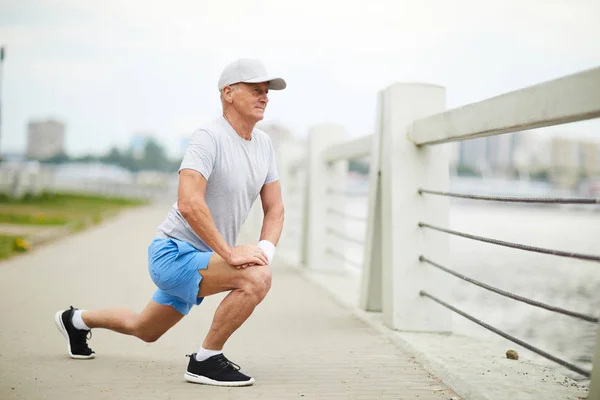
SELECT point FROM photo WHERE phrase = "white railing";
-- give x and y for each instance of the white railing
(569, 99)
(411, 119)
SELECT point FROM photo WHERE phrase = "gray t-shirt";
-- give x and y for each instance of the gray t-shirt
(235, 170)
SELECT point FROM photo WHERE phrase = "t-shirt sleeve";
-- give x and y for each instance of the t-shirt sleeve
(272, 174)
(200, 154)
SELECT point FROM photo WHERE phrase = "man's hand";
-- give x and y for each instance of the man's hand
(242, 256)
(244, 266)
(269, 250)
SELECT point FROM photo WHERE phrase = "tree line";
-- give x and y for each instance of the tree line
(152, 158)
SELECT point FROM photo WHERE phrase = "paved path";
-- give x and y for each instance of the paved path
(16, 229)
(298, 344)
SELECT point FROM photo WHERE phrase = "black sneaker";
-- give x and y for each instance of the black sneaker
(216, 370)
(76, 338)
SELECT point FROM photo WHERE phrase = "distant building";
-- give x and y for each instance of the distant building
(137, 144)
(493, 155)
(590, 158)
(45, 139)
(501, 152)
(566, 162)
(472, 153)
(574, 159)
(532, 154)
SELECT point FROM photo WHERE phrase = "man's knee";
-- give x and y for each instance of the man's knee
(258, 281)
(148, 336)
(146, 333)
(266, 278)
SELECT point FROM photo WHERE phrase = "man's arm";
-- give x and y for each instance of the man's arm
(272, 204)
(193, 207)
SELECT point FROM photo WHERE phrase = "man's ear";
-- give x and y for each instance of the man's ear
(228, 93)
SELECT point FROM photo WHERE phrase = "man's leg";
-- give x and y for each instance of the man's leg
(150, 325)
(248, 287)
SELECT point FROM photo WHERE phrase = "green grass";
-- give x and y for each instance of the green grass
(60, 208)
(10, 245)
(32, 219)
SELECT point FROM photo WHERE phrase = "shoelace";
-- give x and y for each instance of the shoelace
(223, 362)
(226, 364)
(82, 336)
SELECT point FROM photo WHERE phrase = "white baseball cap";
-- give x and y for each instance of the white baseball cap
(249, 70)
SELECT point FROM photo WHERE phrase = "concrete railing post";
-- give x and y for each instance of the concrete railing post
(291, 164)
(405, 168)
(371, 282)
(320, 176)
(594, 393)
(337, 181)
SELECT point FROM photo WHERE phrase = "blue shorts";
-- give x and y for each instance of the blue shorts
(173, 266)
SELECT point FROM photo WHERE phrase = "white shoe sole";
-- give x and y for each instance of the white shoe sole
(61, 327)
(207, 381)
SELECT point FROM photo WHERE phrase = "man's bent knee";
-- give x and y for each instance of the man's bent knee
(146, 332)
(221, 277)
(147, 335)
(153, 322)
(258, 281)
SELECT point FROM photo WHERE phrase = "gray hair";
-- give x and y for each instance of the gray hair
(235, 87)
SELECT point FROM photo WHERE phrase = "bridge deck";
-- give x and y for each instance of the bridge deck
(298, 344)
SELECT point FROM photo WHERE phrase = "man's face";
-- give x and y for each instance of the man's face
(250, 100)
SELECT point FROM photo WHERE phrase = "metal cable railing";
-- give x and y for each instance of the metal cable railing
(560, 253)
(559, 310)
(344, 236)
(343, 257)
(347, 193)
(587, 257)
(510, 199)
(344, 215)
(505, 335)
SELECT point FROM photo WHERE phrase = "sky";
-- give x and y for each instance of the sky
(112, 69)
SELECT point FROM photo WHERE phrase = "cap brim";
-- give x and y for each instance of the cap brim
(274, 83)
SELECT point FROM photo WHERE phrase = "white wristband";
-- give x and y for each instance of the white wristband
(268, 248)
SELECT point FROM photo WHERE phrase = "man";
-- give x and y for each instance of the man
(227, 164)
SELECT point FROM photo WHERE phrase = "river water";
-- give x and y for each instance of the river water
(559, 281)
(562, 282)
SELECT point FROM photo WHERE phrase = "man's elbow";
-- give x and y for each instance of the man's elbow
(186, 207)
(277, 211)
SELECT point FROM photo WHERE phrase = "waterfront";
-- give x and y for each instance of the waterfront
(559, 281)
(562, 282)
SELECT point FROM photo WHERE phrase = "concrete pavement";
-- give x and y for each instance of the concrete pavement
(299, 343)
